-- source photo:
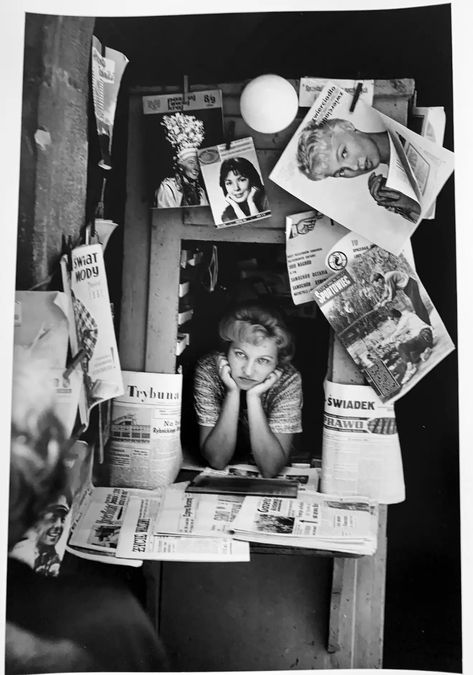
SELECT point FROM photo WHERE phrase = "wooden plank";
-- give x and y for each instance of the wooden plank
(163, 300)
(134, 306)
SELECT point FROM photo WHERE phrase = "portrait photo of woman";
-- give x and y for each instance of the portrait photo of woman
(243, 189)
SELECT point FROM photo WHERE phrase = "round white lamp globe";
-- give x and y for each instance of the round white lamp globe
(268, 104)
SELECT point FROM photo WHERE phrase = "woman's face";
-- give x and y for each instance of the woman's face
(251, 364)
(237, 186)
(352, 154)
(190, 166)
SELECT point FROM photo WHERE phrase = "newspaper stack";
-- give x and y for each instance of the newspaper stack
(313, 520)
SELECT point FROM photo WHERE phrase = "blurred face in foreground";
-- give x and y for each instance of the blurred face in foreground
(251, 364)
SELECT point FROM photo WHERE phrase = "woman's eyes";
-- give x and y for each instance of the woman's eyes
(239, 355)
(344, 153)
(264, 362)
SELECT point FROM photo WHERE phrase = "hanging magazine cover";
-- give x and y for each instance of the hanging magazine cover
(108, 66)
(312, 254)
(234, 183)
(174, 129)
(93, 335)
(363, 169)
(383, 316)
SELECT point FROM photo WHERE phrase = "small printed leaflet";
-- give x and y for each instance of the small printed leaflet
(310, 88)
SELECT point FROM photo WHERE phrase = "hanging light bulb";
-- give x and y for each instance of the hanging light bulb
(268, 104)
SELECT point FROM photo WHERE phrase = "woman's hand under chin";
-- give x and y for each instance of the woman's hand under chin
(225, 374)
(236, 207)
(266, 384)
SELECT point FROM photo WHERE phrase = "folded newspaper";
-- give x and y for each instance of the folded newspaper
(314, 520)
(362, 169)
(117, 526)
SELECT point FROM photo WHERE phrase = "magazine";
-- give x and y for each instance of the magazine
(314, 520)
(175, 127)
(234, 183)
(362, 169)
(361, 454)
(93, 335)
(139, 540)
(383, 316)
(306, 477)
(312, 253)
(108, 66)
(145, 448)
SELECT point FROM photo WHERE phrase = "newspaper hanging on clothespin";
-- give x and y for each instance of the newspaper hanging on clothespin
(93, 333)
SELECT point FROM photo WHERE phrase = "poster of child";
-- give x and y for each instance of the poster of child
(234, 184)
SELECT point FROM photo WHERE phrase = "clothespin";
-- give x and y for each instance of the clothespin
(230, 133)
(356, 96)
(74, 363)
(67, 250)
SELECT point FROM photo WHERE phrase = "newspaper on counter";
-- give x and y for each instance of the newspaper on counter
(145, 448)
(234, 183)
(96, 529)
(139, 540)
(200, 515)
(107, 66)
(86, 285)
(313, 520)
(307, 477)
(310, 88)
(383, 316)
(362, 169)
(312, 253)
(175, 127)
(361, 454)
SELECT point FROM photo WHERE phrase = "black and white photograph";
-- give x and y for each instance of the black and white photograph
(261, 313)
(176, 126)
(234, 184)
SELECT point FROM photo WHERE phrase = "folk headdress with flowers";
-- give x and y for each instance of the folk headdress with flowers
(185, 133)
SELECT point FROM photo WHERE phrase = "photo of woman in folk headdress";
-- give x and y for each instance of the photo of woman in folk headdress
(185, 133)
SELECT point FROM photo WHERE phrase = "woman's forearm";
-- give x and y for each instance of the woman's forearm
(218, 447)
(268, 452)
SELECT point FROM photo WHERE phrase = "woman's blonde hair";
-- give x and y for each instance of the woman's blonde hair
(253, 323)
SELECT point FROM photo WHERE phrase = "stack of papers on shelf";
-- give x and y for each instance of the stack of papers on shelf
(314, 520)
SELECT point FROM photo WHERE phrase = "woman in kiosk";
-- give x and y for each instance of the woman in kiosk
(248, 397)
